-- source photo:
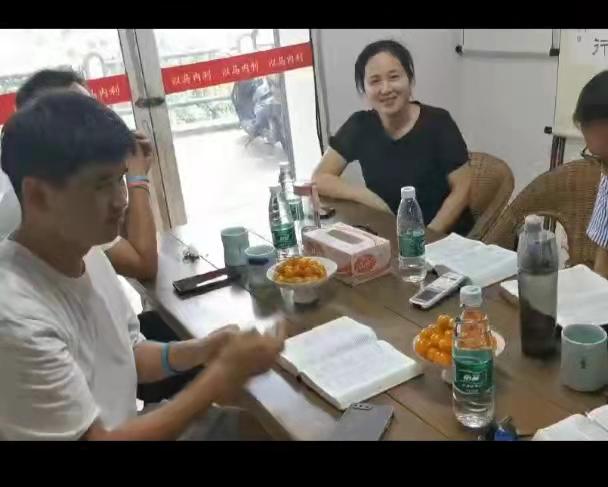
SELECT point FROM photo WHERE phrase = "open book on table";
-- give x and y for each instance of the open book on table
(345, 363)
(582, 296)
(591, 426)
(483, 264)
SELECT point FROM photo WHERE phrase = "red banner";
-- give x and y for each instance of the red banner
(236, 68)
(110, 90)
(7, 106)
(115, 89)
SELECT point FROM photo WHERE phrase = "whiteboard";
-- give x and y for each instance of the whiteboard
(583, 53)
(508, 41)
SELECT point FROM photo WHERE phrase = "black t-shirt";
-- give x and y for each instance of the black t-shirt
(422, 158)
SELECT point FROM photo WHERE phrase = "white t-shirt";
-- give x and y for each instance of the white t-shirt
(66, 347)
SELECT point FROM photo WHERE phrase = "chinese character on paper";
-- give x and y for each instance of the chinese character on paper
(175, 81)
(186, 79)
(235, 70)
(254, 66)
(603, 43)
(113, 90)
(290, 59)
(300, 58)
(245, 68)
(225, 72)
(103, 93)
(281, 61)
(207, 75)
(272, 63)
(196, 77)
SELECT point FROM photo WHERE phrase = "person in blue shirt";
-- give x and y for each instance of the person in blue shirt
(591, 116)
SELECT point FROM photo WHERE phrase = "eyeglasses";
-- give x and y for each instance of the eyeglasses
(588, 156)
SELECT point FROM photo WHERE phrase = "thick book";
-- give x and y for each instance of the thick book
(483, 264)
(592, 426)
(582, 296)
(345, 363)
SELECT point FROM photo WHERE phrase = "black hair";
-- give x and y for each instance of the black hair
(392, 47)
(57, 134)
(592, 103)
(44, 80)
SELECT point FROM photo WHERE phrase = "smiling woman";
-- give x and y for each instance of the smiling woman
(399, 142)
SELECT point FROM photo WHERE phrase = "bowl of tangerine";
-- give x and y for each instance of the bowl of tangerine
(302, 275)
(433, 345)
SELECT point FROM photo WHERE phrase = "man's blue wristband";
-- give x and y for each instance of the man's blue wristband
(164, 358)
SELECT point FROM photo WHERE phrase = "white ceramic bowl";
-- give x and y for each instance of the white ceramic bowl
(446, 373)
(305, 292)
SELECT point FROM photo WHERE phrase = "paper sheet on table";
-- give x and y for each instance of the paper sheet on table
(582, 296)
(483, 264)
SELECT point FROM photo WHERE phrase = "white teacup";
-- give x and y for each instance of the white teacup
(584, 365)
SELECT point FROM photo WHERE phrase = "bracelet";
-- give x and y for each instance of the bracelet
(137, 179)
(142, 185)
(164, 358)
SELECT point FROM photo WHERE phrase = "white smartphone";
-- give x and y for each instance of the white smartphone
(440, 288)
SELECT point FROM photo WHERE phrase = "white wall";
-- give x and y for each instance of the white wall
(505, 106)
(501, 105)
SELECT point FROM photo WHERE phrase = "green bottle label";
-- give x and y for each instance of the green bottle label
(284, 236)
(411, 244)
(472, 377)
(296, 209)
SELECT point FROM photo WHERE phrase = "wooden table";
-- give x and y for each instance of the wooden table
(526, 389)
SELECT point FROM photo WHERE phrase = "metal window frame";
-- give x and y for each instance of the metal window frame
(142, 66)
(321, 88)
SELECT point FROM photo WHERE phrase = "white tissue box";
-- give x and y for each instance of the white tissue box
(360, 256)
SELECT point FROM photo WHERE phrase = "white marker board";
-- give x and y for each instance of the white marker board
(583, 53)
(507, 41)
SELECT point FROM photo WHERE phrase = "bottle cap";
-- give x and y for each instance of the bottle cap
(408, 192)
(275, 189)
(471, 296)
(533, 223)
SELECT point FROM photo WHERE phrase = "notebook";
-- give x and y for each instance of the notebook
(345, 363)
(591, 426)
(582, 296)
(483, 264)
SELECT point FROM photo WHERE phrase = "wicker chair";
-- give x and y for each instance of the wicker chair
(491, 189)
(566, 194)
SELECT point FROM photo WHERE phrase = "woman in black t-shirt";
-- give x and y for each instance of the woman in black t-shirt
(399, 143)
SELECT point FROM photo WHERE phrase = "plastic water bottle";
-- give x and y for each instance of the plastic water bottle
(473, 363)
(281, 225)
(538, 264)
(307, 191)
(293, 201)
(411, 235)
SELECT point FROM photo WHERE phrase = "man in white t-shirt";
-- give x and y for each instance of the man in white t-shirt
(134, 256)
(71, 353)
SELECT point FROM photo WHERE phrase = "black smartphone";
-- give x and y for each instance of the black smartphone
(202, 283)
(363, 422)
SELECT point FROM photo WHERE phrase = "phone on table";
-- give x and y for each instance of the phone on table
(440, 288)
(202, 283)
(363, 422)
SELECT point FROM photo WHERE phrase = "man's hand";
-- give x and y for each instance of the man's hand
(213, 344)
(248, 354)
(139, 163)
